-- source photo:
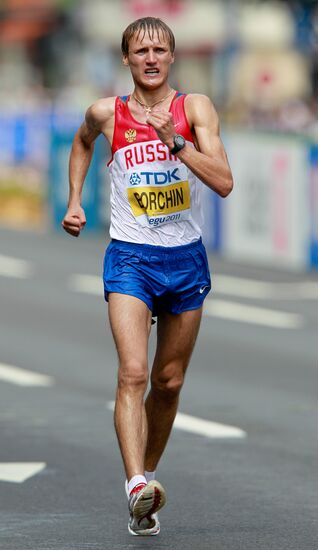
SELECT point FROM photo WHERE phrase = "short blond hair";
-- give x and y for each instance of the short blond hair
(150, 25)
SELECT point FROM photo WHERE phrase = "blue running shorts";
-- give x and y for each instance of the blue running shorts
(172, 279)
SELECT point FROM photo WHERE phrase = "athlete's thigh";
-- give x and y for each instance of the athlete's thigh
(176, 337)
(130, 321)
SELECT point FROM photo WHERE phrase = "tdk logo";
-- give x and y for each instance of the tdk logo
(154, 178)
(134, 179)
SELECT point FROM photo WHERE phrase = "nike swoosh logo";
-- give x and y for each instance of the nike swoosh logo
(203, 289)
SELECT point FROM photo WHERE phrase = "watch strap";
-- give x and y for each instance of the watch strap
(177, 146)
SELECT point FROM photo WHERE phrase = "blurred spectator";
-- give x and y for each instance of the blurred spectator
(257, 60)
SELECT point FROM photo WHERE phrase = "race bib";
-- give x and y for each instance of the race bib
(157, 198)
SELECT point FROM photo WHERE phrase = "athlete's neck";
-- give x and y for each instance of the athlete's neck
(151, 97)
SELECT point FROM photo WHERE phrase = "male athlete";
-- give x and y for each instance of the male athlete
(165, 147)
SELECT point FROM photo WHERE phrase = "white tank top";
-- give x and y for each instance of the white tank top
(155, 199)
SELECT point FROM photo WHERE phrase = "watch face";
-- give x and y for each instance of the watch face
(179, 141)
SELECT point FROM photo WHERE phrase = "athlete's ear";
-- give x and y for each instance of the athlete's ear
(125, 60)
(172, 58)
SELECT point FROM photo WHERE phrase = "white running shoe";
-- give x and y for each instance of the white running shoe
(144, 503)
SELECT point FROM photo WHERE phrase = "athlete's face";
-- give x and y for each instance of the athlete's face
(149, 59)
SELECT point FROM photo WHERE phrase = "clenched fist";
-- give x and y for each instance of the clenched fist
(162, 122)
(74, 220)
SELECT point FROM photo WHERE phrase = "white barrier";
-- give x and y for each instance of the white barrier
(267, 216)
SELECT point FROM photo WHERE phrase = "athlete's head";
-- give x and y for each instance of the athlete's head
(148, 45)
(151, 26)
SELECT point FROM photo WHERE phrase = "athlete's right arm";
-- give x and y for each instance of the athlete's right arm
(96, 120)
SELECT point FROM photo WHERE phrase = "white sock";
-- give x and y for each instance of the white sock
(150, 476)
(135, 480)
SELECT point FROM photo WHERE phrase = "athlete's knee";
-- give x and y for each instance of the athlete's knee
(133, 374)
(167, 386)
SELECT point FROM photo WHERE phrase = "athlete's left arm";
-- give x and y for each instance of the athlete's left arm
(208, 161)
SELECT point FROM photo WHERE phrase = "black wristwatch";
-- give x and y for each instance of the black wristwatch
(179, 143)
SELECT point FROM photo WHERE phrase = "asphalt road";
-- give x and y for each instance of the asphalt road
(250, 370)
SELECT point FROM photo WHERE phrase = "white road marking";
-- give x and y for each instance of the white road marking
(207, 428)
(222, 284)
(245, 288)
(22, 377)
(199, 426)
(251, 288)
(305, 290)
(18, 472)
(234, 311)
(14, 267)
(89, 284)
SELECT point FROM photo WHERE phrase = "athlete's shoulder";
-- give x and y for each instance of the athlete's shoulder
(100, 112)
(200, 108)
(199, 100)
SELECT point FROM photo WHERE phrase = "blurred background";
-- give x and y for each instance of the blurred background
(257, 60)
(245, 440)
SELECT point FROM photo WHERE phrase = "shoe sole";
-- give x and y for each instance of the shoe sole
(151, 499)
(144, 532)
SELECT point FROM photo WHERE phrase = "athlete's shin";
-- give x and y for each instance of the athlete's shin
(161, 409)
(131, 422)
